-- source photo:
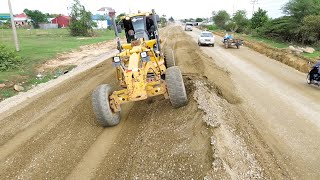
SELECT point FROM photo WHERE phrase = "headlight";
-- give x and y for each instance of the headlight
(144, 54)
(116, 59)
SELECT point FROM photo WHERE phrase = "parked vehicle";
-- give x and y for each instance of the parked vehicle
(206, 38)
(188, 27)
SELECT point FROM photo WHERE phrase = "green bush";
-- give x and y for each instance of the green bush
(8, 59)
(212, 27)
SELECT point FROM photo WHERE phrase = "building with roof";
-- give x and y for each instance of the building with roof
(4, 17)
(101, 17)
(62, 21)
(21, 20)
(104, 11)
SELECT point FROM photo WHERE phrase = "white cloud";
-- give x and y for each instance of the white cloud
(175, 8)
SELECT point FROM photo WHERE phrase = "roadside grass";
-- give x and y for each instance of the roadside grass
(315, 55)
(38, 46)
(271, 42)
(280, 44)
(6, 93)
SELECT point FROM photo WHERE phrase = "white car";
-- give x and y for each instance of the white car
(188, 27)
(206, 38)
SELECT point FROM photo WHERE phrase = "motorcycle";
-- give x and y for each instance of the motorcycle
(313, 76)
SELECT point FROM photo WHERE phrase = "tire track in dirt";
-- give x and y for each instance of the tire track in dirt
(49, 136)
(64, 135)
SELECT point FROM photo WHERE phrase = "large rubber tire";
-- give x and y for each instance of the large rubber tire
(101, 107)
(176, 89)
(169, 57)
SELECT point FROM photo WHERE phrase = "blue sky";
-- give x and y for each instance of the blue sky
(179, 9)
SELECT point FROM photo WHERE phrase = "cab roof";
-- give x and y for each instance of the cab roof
(138, 14)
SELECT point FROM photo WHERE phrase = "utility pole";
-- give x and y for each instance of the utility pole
(15, 37)
(253, 2)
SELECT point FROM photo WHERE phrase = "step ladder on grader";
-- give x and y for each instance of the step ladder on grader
(143, 70)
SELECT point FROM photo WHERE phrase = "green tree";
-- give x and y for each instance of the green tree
(171, 19)
(163, 20)
(199, 20)
(118, 18)
(311, 29)
(81, 23)
(52, 15)
(280, 28)
(36, 17)
(241, 20)
(232, 26)
(259, 18)
(221, 18)
(301, 8)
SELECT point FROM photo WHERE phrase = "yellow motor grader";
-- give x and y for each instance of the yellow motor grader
(143, 70)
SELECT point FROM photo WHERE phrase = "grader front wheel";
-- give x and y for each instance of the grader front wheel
(176, 89)
(101, 107)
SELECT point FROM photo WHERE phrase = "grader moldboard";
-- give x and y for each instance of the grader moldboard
(143, 70)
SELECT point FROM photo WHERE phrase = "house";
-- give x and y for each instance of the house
(21, 20)
(104, 11)
(101, 17)
(103, 21)
(62, 21)
(4, 17)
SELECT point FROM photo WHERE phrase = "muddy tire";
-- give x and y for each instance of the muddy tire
(176, 89)
(169, 57)
(226, 45)
(101, 107)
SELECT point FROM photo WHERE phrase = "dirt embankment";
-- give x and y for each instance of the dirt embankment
(283, 55)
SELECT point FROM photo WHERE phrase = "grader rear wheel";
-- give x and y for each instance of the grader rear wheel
(101, 107)
(176, 89)
(169, 57)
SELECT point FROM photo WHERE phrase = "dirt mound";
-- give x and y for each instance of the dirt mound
(283, 55)
(191, 60)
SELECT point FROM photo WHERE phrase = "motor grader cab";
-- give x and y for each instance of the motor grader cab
(139, 26)
(142, 70)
